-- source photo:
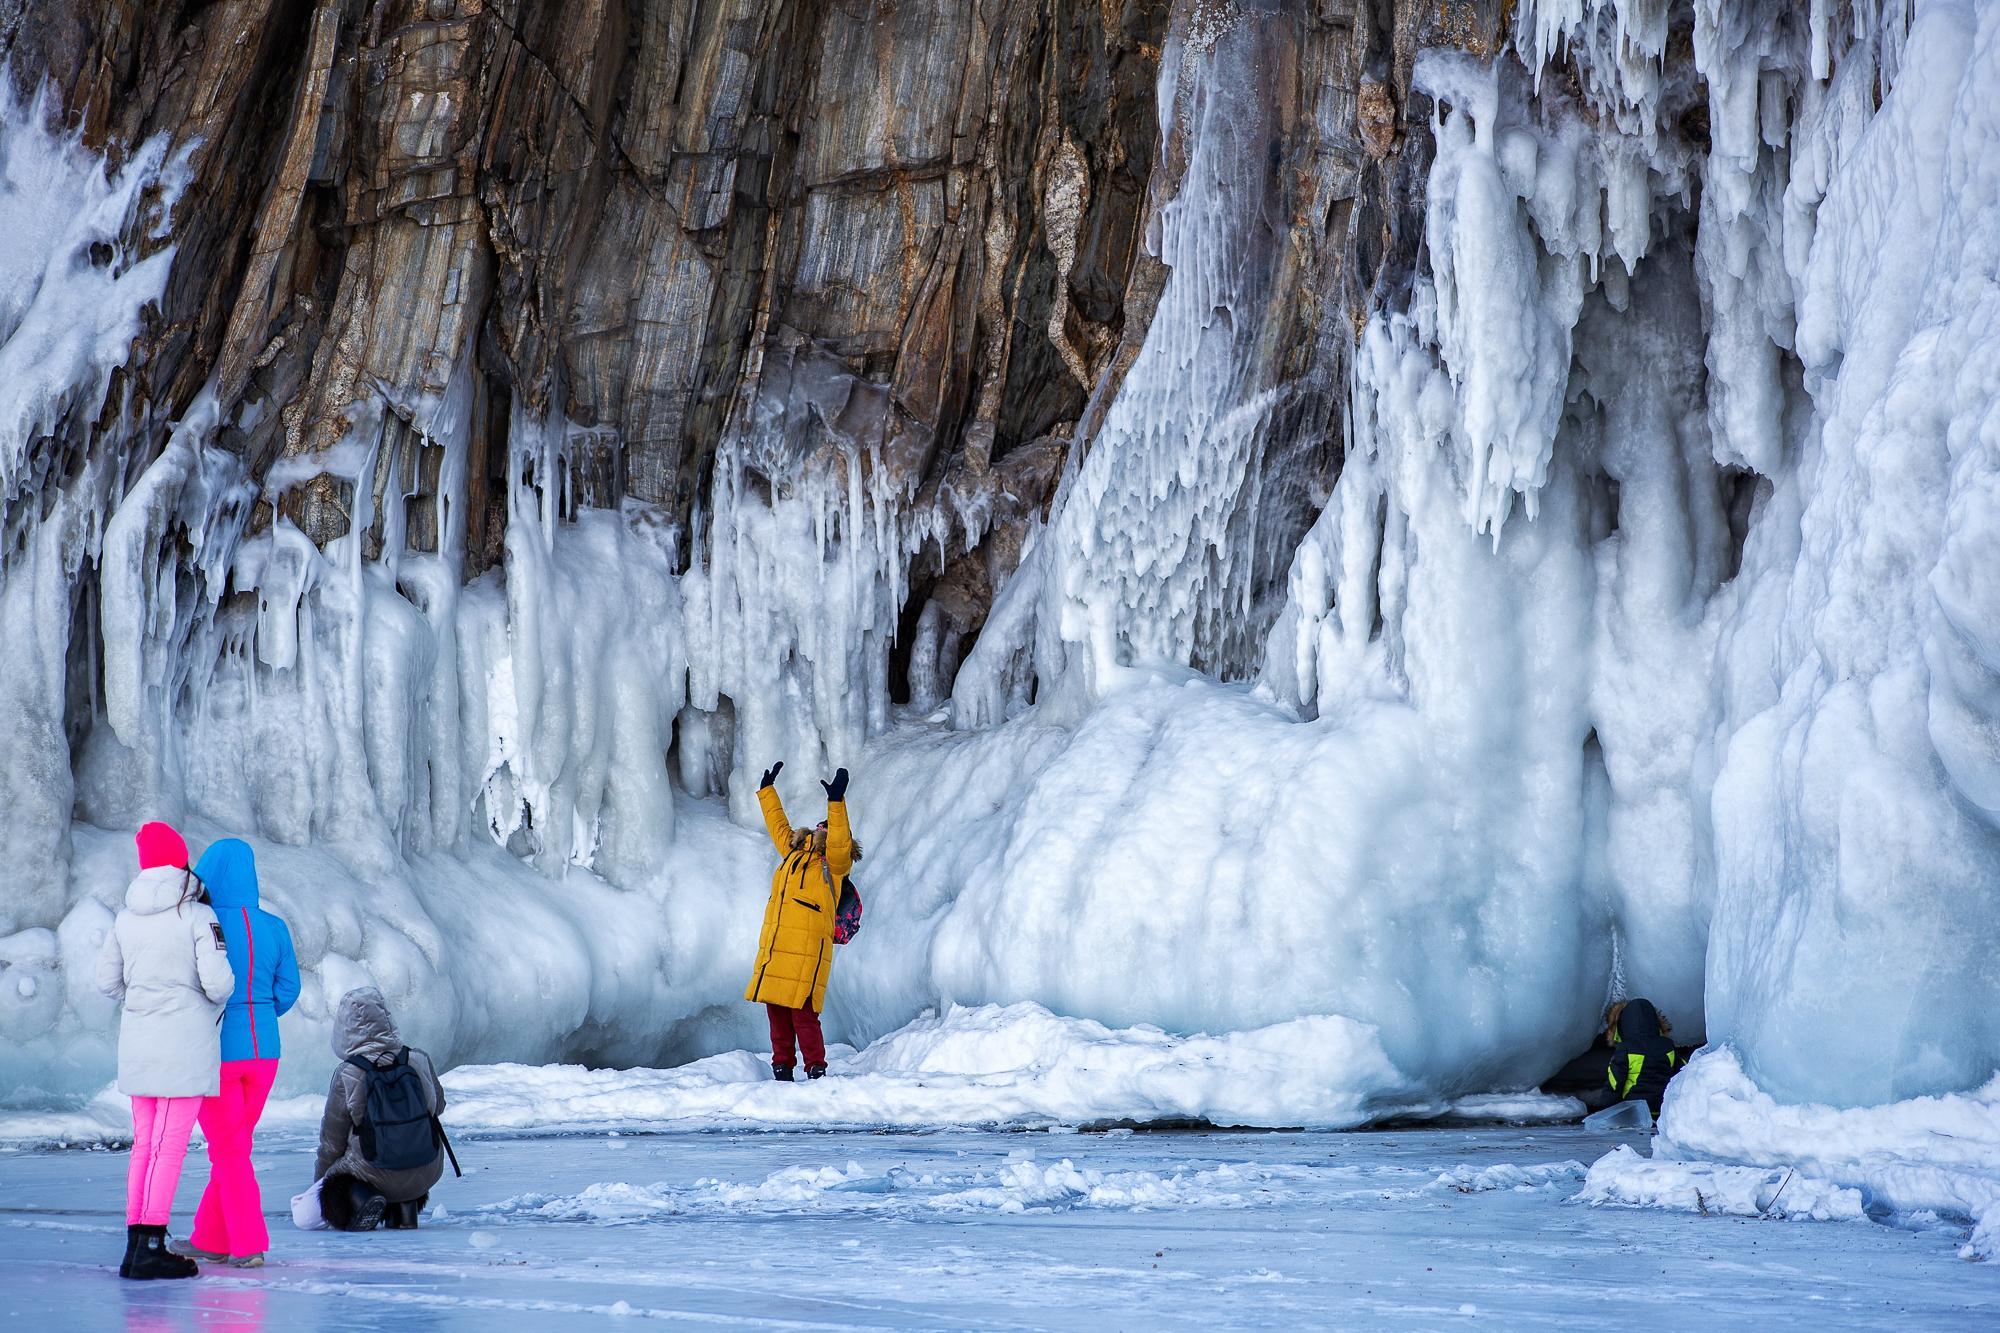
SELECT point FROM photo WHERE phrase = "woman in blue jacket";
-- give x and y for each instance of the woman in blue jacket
(229, 1224)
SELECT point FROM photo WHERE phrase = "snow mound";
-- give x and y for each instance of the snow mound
(1466, 1179)
(1020, 1185)
(1936, 1155)
(975, 1066)
(1623, 1177)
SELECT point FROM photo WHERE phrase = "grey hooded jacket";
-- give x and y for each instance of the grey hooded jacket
(165, 962)
(362, 1027)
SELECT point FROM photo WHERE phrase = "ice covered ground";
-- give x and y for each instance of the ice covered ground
(1411, 1228)
(1929, 1164)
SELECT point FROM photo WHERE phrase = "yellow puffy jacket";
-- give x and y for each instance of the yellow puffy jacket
(795, 952)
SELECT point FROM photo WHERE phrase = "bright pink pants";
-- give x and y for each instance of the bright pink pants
(230, 1219)
(160, 1129)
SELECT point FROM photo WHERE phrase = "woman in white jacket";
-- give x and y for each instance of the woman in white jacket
(166, 963)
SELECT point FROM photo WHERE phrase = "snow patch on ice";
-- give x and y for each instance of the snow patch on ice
(1623, 1177)
(1022, 1185)
(1465, 1179)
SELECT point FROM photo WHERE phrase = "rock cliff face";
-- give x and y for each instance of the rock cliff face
(874, 269)
(915, 229)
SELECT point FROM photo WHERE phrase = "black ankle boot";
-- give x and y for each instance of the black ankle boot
(369, 1208)
(403, 1216)
(815, 1071)
(151, 1259)
(782, 1073)
(135, 1240)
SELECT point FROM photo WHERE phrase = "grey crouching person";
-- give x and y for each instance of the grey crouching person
(379, 1158)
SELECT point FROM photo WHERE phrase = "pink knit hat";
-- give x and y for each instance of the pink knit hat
(159, 845)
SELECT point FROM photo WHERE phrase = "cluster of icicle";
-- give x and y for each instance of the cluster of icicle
(1718, 340)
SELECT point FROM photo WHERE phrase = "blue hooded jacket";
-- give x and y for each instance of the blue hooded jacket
(260, 951)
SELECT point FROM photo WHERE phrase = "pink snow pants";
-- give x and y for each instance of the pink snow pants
(160, 1129)
(230, 1219)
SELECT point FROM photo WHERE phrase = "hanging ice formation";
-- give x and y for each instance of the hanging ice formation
(1646, 642)
(1750, 390)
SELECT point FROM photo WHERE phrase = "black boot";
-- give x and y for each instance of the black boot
(403, 1216)
(369, 1206)
(782, 1073)
(152, 1259)
(135, 1240)
(815, 1071)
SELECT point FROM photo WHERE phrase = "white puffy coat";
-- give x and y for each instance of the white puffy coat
(166, 962)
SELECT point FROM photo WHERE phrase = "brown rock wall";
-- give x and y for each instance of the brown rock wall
(915, 225)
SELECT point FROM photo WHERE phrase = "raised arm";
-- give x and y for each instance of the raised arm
(779, 827)
(839, 838)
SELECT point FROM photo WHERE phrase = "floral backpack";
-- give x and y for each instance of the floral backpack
(847, 916)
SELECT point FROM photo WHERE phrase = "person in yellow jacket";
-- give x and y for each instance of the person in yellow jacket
(795, 951)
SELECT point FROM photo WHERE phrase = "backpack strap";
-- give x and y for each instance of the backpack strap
(437, 1127)
(370, 1067)
(364, 1129)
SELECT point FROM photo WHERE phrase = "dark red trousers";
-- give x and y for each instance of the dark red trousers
(801, 1025)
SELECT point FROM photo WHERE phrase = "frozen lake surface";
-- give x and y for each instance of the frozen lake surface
(1428, 1227)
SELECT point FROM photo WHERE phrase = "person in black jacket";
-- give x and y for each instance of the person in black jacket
(1642, 1053)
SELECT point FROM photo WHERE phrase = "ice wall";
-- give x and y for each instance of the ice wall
(1196, 855)
(502, 798)
(1857, 808)
(1643, 645)
(1543, 389)
(1786, 692)
(1730, 614)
